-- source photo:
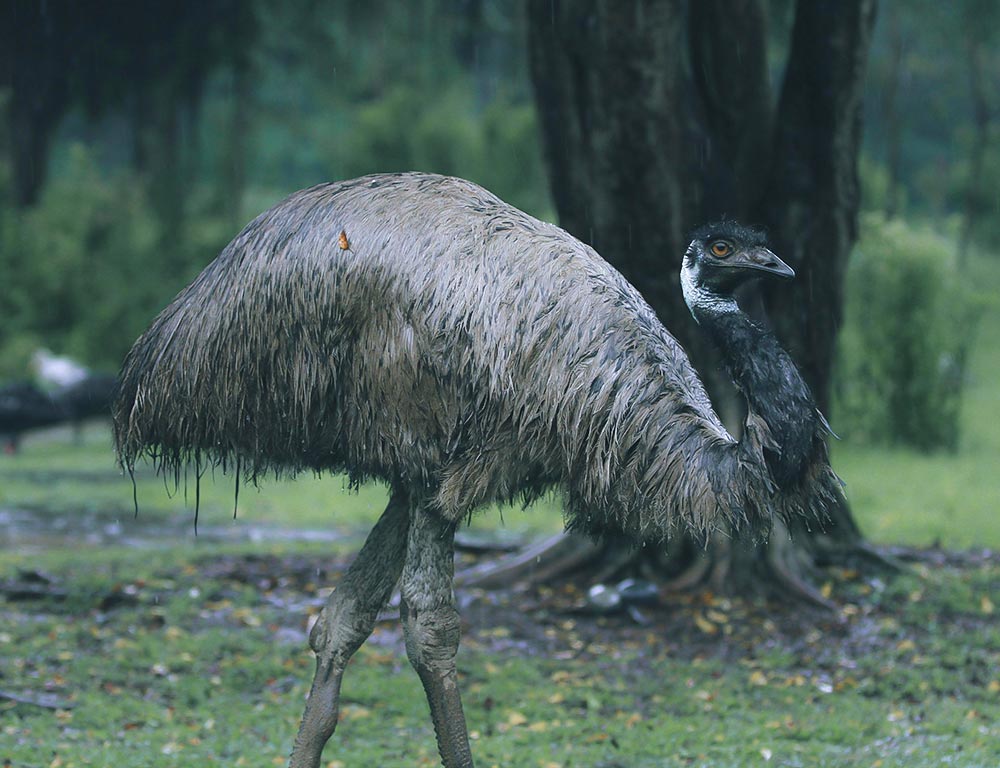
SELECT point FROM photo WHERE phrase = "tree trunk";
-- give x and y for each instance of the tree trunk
(624, 146)
(37, 78)
(233, 173)
(974, 185)
(891, 114)
(812, 196)
(657, 117)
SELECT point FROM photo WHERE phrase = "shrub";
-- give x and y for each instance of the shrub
(909, 322)
(84, 267)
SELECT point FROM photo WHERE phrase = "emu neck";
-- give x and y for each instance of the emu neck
(772, 385)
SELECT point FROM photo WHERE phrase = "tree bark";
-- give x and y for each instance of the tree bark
(624, 145)
(657, 117)
(811, 198)
(39, 96)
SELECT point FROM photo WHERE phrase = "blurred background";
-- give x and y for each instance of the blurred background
(137, 139)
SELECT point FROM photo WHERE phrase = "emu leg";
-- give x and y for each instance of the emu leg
(432, 628)
(345, 623)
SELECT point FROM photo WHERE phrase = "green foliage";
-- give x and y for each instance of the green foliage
(874, 180)
(408, 129)
(82, 265)
(909, 322)
(982, 201)
(511, 156)
(402, 131)
(137, 201)
(89, 264)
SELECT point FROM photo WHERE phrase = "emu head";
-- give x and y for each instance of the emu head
(721, 258)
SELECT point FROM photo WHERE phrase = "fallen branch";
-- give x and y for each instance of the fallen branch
(15, 591)
(43, 700)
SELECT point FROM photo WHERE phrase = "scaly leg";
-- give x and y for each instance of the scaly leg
(345, 623)
(432, 627)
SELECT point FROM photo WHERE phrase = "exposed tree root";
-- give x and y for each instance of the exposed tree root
(787, 566)
(860, 553)
(547, 560)
(780, 568)
(42, 700)
(695, 573)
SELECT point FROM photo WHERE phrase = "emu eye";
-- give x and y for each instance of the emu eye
(721, 248)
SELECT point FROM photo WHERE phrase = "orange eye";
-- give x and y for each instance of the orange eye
(721, 248)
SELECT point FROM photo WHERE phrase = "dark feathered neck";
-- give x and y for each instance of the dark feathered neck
(773, 387)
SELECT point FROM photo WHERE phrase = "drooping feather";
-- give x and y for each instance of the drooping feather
(458, 348)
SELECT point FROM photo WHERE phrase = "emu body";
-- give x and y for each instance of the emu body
(463, 352)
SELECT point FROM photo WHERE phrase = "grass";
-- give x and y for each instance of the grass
(170, 661)
(164, 648)
(186, 656)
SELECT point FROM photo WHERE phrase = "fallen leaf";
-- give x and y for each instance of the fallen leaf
(705, 625)
(247, 617)
(516, 718)
(354, 712)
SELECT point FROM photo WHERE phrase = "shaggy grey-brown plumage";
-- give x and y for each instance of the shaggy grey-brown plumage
(416, 329)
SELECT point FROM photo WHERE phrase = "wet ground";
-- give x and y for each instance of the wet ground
(29, 530)
(553, 619)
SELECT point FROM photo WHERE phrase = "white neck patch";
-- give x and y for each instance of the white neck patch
(696, 296)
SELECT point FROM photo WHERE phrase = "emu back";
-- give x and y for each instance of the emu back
(416, 329)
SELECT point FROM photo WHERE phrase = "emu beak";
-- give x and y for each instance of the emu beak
(765, 261)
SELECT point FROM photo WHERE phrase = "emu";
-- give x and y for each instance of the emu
(415, 329)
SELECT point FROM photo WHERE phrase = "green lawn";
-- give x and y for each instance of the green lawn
(194, 654)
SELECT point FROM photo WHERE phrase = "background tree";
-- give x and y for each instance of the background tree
(134, 141)
(657, 116)
(978, 23)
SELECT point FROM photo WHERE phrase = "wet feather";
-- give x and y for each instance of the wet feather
(459, 348)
